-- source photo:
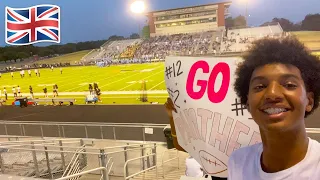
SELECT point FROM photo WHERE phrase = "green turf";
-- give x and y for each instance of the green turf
(310, 38)
(121, 78)
(119, 99)
(70, 58)
(316, 53)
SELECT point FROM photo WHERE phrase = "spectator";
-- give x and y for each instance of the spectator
(14, 92)
(57, 88)
(54, 91)
(98, 93)
(90, 89)
(280, 90)
(31, 92)
(19, 91)
(5, 93)
(45, 91)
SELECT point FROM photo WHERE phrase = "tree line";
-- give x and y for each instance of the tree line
(24, 52)
(311, 22)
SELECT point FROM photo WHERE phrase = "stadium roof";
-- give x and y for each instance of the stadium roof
(224, 2)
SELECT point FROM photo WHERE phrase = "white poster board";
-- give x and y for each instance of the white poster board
(210, 122)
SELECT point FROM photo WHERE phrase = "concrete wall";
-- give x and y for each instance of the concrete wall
(103, 113)
(99, 113)
(111, 114)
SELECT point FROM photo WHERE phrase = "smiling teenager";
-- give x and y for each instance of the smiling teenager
(279, 82)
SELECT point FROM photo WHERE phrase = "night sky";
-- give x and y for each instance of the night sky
(84, 20)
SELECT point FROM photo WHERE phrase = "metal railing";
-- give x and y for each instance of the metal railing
(110, 165)
(34, 154)
(60, 127)
(76, 165)
(83, 173)
(46, 146)
(125, 147)
(106, 171)
(163, 162)
(50, 147)
(135, 174)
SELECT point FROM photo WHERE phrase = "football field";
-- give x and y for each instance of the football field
(120, 84)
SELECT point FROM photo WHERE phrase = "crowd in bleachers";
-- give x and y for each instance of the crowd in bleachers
(35, 66)
(202, 43)
(135, 50)
(179, 44)
(129, 51)
(238, 40)
(118, 48)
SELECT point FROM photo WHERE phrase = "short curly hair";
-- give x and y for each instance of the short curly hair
(285, 51)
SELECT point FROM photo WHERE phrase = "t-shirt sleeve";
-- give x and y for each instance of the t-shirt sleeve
(231, 168)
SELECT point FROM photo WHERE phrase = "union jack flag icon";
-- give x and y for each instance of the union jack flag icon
(31, 25)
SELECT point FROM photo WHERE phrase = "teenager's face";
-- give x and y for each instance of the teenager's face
(277, 98)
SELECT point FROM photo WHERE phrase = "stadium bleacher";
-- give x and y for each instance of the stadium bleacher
(80, 155)
(238, 40)
(204, 43)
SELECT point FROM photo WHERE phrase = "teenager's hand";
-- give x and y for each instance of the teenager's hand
(170, 107)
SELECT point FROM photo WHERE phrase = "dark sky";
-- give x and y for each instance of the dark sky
(83, 20)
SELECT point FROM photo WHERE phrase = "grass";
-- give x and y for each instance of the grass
(310, 38)
(71, 58)
(74, 81)
(122, 79)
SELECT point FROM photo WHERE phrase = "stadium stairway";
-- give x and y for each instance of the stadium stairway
(169, 171)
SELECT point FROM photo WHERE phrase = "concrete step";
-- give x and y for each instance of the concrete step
(168, 171)
(169, 174)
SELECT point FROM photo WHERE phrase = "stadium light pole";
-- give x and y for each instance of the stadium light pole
(246, 13)
(138, 7)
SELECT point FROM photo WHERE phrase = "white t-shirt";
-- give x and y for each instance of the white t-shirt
(244, 164)
(193, 168)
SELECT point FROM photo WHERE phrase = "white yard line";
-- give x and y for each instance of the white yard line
(92, 82)
(119, 80)
(126, 86)
(97, 76)
(140, 80)
(88, 78)
(123, 79)
(156, 85)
